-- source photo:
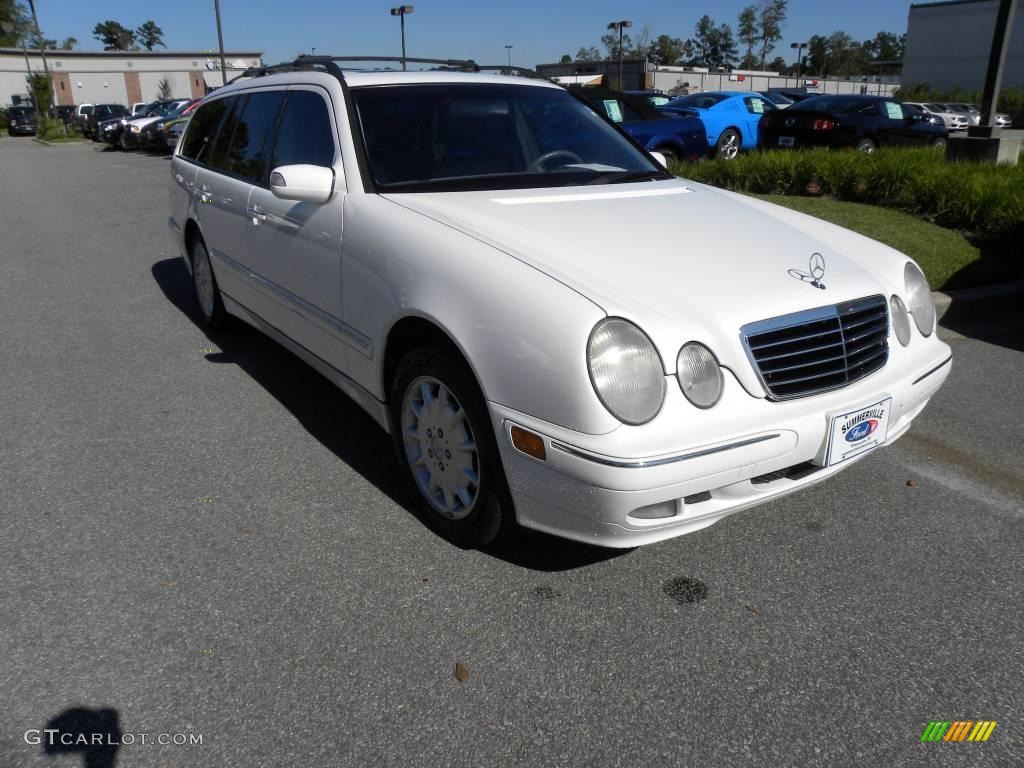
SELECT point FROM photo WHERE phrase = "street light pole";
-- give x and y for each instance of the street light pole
(620, 25)
(799, 58)
(508, 49)
(220, 43)
(400, 12)
(997, 60)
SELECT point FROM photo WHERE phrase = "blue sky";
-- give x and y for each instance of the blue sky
(540, 30)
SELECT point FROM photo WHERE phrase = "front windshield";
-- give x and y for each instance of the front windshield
(699, 100)
(20, 111)
(490, 136)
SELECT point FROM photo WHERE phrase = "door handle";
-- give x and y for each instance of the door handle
(205, 193)
(257, 213)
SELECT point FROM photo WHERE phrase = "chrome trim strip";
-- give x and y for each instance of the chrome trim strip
(933, 370)
(329, 322)
(625, 464)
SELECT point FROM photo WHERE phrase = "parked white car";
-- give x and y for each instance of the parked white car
(954, 121)
(447, 248)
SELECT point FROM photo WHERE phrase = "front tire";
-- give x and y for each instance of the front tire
(670, 154)
(204, 284)
(447, 449)
(728, 146)
(866, 145)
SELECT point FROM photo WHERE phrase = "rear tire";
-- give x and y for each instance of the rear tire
(446, 449)
(204, 284)
(728, 146)
(866, 145)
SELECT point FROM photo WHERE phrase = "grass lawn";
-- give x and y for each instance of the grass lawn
(940, 252)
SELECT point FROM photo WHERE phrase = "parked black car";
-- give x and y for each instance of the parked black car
(21, 120)
(65, 113)
(100, 113)
(152, 136)
(862, 122)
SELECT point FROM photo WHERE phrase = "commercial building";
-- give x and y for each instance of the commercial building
(948, 45)
(123, 77)
(639, 74)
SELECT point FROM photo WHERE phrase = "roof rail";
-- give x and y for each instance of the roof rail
(462, 64)
(329, 64)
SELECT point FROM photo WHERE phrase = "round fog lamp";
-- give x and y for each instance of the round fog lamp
(900, 319)
(919, 299)
(699, 375)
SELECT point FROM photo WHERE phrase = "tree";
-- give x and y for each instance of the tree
(713, 46)
(749, 32)
(886, 46)
(588, 54)
(150, 36)
(667, 50)
(778, 64)
(772, 15)
(163, 89)
(69, 44)
(610, 41)
(41, 88)
(566, 59)
(114, 36)
(15, 24)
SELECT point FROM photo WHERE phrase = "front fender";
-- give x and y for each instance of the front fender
(523, 333)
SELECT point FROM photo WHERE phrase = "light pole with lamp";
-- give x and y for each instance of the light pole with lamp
(400, 12)
(508, 50)
(220, 42)
(620, 25)
(799, 59)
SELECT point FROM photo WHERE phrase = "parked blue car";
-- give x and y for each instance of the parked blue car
(677, 137)
(730, 119)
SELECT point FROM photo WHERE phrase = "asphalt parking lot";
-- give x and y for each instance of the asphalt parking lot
(199, 535)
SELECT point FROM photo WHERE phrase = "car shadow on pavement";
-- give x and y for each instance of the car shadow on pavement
(344, 428)
(95, 734)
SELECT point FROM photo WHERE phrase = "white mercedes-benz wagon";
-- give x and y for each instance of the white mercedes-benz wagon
(468, 256)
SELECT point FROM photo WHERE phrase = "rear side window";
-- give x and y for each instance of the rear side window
(217, 156)
(305, 136)
(202, 128)
(256, 122)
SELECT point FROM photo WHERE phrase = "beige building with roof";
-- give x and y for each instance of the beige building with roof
(122, 77)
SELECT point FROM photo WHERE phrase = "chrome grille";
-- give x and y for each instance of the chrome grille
(820, 349)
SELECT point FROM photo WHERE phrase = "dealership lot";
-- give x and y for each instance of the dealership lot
(200, 534)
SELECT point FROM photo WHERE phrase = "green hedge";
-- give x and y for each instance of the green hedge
(978, 199)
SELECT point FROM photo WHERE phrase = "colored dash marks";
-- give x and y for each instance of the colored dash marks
(958, 730)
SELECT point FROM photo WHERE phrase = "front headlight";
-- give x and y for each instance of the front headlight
(919, 299)
(626, 371)
(699, 375)
(135, 129)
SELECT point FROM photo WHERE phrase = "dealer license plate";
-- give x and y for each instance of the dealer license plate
(856, 432)
(786, 141)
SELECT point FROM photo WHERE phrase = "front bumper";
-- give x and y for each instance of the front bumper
(748, 451)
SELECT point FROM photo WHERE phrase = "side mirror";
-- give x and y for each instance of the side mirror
(660, 158)
(306, 183)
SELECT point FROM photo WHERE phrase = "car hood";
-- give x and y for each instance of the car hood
(682, 260)
(142, 122)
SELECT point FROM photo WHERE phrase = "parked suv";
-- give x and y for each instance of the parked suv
(99, 114)
(454, 250)
(21, 121)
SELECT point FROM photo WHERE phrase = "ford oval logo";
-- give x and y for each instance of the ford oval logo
(862, 430)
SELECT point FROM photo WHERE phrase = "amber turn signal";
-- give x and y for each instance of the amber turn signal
(528, 443)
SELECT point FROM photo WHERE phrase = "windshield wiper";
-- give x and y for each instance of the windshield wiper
(627, 176)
